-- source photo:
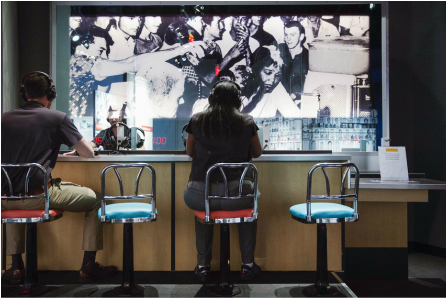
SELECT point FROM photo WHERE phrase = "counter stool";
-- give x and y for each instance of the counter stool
(31, 218)
(127, 213)
(224, 288)
(322, 213)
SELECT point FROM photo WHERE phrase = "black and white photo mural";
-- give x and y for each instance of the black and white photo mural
(307, 75)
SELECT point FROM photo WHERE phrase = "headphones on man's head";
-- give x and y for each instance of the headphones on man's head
(112, 139)
(126, 143)
(50, 92)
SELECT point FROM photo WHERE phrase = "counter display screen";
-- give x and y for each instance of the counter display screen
(306, 72)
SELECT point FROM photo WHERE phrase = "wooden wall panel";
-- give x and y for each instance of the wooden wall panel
(60, 242)
(380, 224)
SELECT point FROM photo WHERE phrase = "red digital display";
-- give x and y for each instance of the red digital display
(159, 140)
(97, 140)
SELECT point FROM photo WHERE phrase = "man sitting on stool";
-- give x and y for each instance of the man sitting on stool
(33, 134)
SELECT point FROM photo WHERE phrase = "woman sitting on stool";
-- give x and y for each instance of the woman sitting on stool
(221, 134)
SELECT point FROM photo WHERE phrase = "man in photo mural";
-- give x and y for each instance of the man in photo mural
(354, 25)
(238, 36)
(204, 61)
(258, 33)
(88, 46)
(148, 41)
(195, 26)
(315, 27)
(189, 62)
(124, 37)
(295, 58)
(205, 68)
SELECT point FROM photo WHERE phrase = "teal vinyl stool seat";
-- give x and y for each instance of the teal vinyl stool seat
(127, 213)
(320, 210)
(321, 213)
(127, 210)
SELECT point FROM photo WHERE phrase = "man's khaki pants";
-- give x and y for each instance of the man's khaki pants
(65, 196)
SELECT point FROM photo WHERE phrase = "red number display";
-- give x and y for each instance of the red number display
(159, 140)
(97, 140)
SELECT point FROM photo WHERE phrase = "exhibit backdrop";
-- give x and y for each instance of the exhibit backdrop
(308, 75)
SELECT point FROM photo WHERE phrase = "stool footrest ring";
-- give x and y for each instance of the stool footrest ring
(312, 291)
(125, 291)
(220, 290)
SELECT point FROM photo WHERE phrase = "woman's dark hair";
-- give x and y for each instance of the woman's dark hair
(222, 119)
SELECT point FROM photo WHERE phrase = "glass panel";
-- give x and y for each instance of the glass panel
(309, 71)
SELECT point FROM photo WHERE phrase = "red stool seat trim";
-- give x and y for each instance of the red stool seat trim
(29, 213)
(225, 214)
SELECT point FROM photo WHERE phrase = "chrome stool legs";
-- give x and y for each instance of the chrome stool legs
(128, 287)
(224, 288)
(321, 287)
(31, 287)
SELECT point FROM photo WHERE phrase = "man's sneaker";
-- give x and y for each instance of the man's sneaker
(14, 277)
(202, 274)
(95, 271)
(248, 273)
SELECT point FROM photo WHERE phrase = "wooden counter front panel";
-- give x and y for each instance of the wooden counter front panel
(380, 224)
(60, 242)
(283, 244)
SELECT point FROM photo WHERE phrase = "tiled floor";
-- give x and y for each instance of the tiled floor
(189, 291)
(426, 266)
(421, 269)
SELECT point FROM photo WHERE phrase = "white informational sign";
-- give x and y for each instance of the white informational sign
(393, 163)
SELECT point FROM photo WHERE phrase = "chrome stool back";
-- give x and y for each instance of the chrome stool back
(127, 213)
(224, 218)
(322, 213)
(31, 218)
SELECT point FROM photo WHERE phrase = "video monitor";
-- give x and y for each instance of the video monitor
(308, 73)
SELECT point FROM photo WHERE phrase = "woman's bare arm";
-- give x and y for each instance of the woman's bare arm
(255, 146)
(190, 144)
